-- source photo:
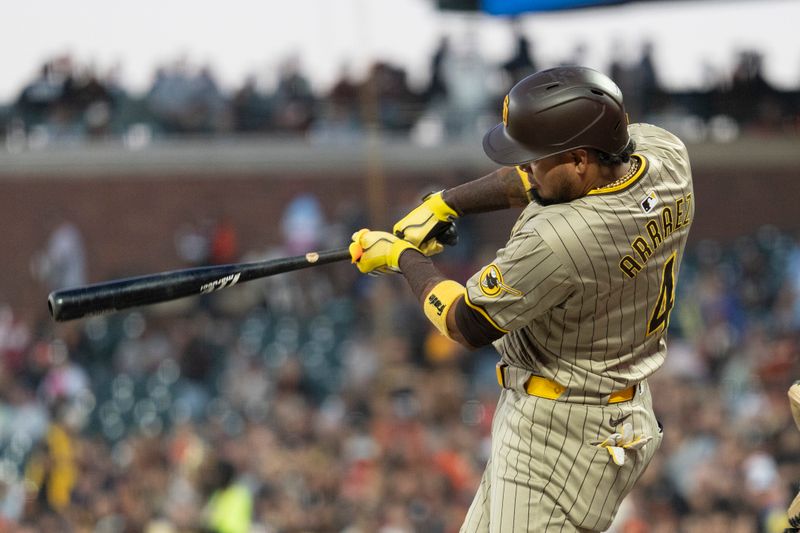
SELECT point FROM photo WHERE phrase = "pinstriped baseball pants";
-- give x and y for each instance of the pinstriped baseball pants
(544, 475)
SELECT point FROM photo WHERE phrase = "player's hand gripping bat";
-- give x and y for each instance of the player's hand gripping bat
(100, 298)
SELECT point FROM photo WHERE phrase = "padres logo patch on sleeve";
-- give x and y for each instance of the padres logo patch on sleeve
(491, 282)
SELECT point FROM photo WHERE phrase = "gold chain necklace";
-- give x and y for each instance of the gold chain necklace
(628, 175)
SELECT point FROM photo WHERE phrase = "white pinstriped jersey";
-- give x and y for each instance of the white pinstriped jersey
(584, 288)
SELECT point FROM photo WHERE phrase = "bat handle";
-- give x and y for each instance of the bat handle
(448, 235)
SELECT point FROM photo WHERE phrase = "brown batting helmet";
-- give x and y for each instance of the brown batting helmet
(556, 110)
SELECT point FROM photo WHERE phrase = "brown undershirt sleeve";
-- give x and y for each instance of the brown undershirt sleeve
(475, 329)
(501, 189)
(422, 276)
(420, 273)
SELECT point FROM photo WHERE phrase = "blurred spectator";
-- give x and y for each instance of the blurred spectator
(648, 75)
(40, 96)
(183, 100)
(293, 102)
(224, 242)
(65, 104)
(88, 101)
(390, 103)
(467, 77)
(192, 243)
(521, 64)
(303, 224)
(640, 83)
(64, 382)
(230, 506)
(14, 338)
(333, 420)
(51, 469)
(69, 103)
(436, 91)
(751, 99)
(62, 262)
(341, 113)
(251, 109)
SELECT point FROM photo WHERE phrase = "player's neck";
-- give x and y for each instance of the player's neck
(616, 175)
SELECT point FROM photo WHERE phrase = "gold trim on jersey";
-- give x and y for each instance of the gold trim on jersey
(643, 164)
(526, 180)
(485, 315)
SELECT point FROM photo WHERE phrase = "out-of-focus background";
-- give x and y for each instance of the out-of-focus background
(165, 135)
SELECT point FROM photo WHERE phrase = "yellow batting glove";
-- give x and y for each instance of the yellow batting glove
(617, 443)
(377, 251)
(419, 226)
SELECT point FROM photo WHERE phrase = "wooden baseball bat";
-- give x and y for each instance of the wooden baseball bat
(100, 298)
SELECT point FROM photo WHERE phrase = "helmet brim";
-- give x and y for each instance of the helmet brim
(502, 149)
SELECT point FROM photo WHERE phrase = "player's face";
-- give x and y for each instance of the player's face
(552, 179)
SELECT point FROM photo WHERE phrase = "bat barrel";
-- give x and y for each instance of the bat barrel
(112, 296)
(69, 304)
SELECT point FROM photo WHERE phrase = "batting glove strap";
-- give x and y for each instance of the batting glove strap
(377, 251)
(421, 223)
(617, 444)
(440, 208)
(438, 302)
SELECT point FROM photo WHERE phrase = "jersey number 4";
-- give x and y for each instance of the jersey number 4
(659, 317)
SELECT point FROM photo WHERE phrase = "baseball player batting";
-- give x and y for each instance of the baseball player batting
(577, 302)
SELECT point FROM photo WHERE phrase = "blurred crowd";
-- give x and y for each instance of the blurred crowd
(69, 102)
(324, 401)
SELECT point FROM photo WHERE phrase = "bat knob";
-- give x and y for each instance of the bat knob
(448, 236)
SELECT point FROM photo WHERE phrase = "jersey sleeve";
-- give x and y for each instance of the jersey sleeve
(524, 281)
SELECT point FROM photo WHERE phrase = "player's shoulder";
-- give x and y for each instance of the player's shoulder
(656, 141)
(547, 222)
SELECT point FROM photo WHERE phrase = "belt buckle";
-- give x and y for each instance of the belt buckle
(501, 369)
